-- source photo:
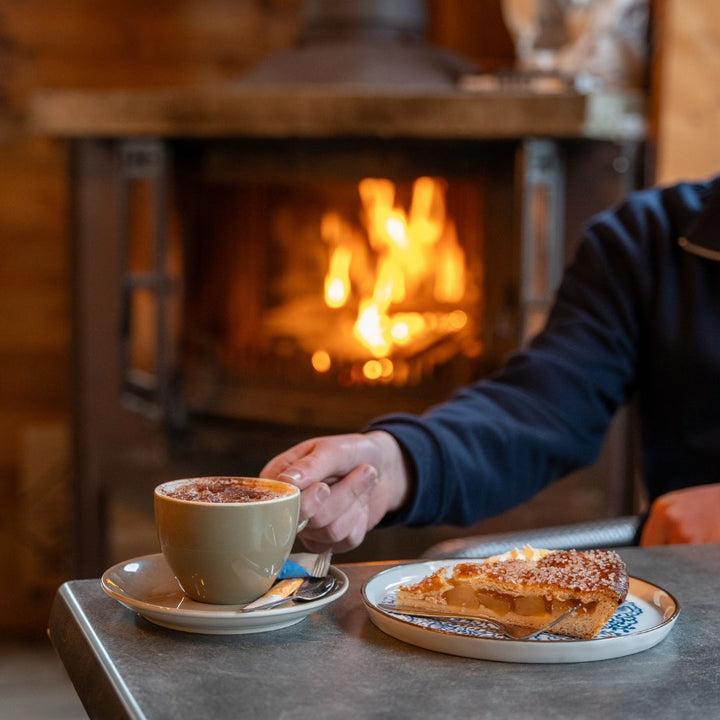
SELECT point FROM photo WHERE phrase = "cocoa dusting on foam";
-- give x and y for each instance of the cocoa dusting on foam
(221, 490)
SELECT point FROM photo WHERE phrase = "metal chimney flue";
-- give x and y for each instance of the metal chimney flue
(369, 19)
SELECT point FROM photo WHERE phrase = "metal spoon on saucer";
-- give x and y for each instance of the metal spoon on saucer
(311, 588)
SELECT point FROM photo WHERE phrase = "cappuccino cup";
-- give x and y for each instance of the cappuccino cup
(226, 538)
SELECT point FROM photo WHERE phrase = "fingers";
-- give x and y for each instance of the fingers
(348, 482)
(322, 459)
(339, 516)
(346, 497)
(312, 498)
(283, 463)
(343, 534)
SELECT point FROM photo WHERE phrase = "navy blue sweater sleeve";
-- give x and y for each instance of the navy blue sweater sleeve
(545, 414)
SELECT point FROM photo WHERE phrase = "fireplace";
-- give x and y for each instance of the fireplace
(319, 294)
(259, 264)
(325, 297)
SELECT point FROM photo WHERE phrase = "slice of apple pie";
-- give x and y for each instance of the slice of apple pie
(526, 589)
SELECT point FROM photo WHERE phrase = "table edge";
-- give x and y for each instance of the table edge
(78, 645)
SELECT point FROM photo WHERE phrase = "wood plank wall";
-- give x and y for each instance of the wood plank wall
(128, 43)
(687, 74)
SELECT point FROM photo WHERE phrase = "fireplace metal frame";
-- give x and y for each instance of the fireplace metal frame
(146, 160)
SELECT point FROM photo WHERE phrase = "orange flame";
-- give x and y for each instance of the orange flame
(416, 254)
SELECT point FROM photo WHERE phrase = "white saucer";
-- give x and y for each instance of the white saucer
(147, 586)
(642, 621)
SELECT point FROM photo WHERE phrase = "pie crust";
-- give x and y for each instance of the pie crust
(527, 589)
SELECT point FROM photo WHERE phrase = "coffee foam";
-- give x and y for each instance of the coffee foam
(225, 490)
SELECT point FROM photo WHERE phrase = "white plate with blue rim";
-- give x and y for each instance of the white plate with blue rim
(147, 586)
(641, 622)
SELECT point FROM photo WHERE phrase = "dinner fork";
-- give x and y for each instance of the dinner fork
(322, 564)
(505, 630)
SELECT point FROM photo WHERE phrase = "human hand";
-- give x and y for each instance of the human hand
(348, 483)
(690, 516)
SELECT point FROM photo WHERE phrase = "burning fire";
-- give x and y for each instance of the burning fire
(419, 266)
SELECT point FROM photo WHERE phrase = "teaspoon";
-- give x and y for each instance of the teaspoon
(311, 588)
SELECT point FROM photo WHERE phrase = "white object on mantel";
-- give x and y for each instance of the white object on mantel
(599, 43)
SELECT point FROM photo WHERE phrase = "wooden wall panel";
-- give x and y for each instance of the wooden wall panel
(83, 43)
(687, 70)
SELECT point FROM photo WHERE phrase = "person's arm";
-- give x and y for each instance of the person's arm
(545, 414)
(499, 441)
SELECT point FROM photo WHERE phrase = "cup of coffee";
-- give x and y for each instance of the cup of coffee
(226, 538)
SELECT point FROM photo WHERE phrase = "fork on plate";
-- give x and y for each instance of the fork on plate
(507, 631)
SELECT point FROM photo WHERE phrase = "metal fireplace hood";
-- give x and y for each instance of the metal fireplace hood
(363, 45)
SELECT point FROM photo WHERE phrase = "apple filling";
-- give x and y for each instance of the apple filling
(494, 604)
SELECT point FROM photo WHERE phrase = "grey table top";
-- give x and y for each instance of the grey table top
(336, 663)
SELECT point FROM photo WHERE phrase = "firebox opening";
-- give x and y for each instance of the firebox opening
(323, 291)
